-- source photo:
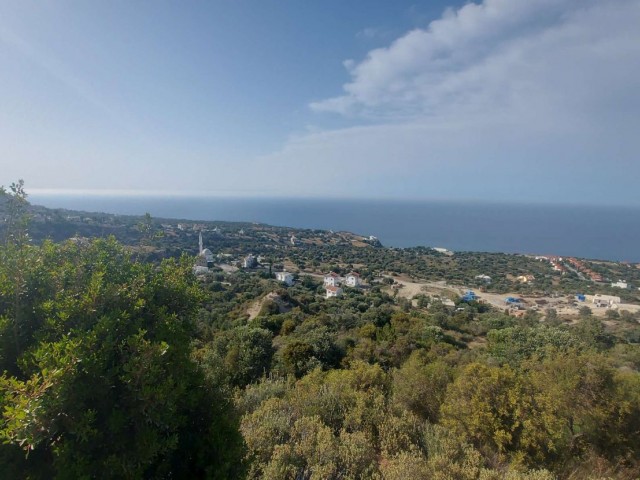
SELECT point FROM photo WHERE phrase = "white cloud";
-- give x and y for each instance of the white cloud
(512, 99)
(498, 55)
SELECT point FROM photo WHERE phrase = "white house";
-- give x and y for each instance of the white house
(285, 277)
(200, 270)
(333, 291)
(331, 279)
(620, 284)
(353, 280)
(249, 261)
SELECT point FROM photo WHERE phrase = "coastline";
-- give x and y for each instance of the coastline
(603, 233)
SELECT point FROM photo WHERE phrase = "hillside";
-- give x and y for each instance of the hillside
(403, 375)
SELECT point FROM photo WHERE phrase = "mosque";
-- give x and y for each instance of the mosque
(205, 259)
(205, 253)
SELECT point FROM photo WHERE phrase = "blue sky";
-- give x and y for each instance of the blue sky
(508, 100)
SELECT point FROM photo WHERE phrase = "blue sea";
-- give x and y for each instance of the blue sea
(606, 233)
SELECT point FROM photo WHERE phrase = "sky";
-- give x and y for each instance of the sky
(502, 100)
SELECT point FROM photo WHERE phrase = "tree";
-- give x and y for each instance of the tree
(105, 385)
(238, 356)
(515, 344)
(16, 217)
(420, 386)
(551, 317)
(13, 259)
(584, 312)
(578, 391)
(295, 357)
(494, 409)
(612, 315)
(148, 232)
(591, 330)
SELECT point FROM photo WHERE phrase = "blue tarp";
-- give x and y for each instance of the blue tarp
(469, 296)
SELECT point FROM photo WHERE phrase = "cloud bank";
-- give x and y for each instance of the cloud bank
(544, 90)
(500, 55)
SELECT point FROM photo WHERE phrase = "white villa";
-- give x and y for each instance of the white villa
(353, 280)
(620, 284)
(331, 279)
(333, 291)
(285, 277)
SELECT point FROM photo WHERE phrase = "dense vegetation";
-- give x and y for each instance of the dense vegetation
(116, 366)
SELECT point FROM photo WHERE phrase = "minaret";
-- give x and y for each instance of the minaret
(200, 244)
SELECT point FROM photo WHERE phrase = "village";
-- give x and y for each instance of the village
(514, 303)
(342, 261)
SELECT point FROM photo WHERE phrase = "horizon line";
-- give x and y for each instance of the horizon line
(114, 193)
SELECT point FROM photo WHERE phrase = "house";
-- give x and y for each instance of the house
(620, 284)
(606, 301)
(249, 262)
(353, 280)
(484, 278)
(200, 270)
(331, 279)
(332, 291)
(285, 277)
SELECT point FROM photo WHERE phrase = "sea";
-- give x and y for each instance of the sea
(594, 232)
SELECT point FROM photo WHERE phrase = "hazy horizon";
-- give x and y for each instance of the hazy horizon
(48, 194)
